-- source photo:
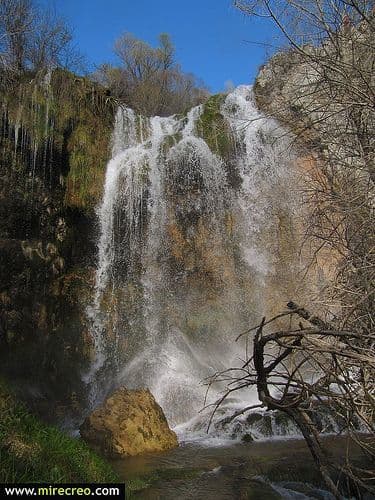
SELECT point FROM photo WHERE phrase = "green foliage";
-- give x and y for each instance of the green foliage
(31, 451)
(213, 128)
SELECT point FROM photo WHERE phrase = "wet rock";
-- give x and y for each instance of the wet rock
(11, 260)
(129, 423)
(264, 426)
(254, 417)
(282, 422)
(247, 438)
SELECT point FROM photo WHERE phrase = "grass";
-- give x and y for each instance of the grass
(31, 451)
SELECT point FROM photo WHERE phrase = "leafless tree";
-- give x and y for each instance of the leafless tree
(149, 79)
(33, 39)
(51, 44)
(306, 361)
(16, 24)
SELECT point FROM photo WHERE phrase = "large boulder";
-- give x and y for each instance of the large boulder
(130, 422)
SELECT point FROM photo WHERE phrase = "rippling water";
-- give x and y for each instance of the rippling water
(260, 471)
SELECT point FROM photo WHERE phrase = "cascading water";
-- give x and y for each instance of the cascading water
(186, 256)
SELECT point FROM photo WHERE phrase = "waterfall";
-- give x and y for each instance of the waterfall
(186, 254)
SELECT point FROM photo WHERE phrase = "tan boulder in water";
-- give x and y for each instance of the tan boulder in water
(130, 422)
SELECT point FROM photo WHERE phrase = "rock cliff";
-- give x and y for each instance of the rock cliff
(54, 145)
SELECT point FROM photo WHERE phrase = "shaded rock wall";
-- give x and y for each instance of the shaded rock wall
(54, 144)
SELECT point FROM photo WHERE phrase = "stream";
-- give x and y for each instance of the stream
(263, 470)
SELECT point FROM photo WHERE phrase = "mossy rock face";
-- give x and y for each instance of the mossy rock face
(46, 283)
(170, 141)
(129, 423)
(213, 127)
(59, 133)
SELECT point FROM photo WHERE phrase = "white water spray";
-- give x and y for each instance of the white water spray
(182, 259)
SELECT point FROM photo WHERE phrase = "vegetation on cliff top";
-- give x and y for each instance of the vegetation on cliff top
(31, 451)
(63, 124)
(148, 79)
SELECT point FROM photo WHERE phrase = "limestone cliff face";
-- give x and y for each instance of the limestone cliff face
(323, 94)
(54, 146)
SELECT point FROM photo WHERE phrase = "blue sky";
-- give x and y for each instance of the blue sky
(209, 35)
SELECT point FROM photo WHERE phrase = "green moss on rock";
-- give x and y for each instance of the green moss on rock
(213, 128)
(66, 128)
(170, 141)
